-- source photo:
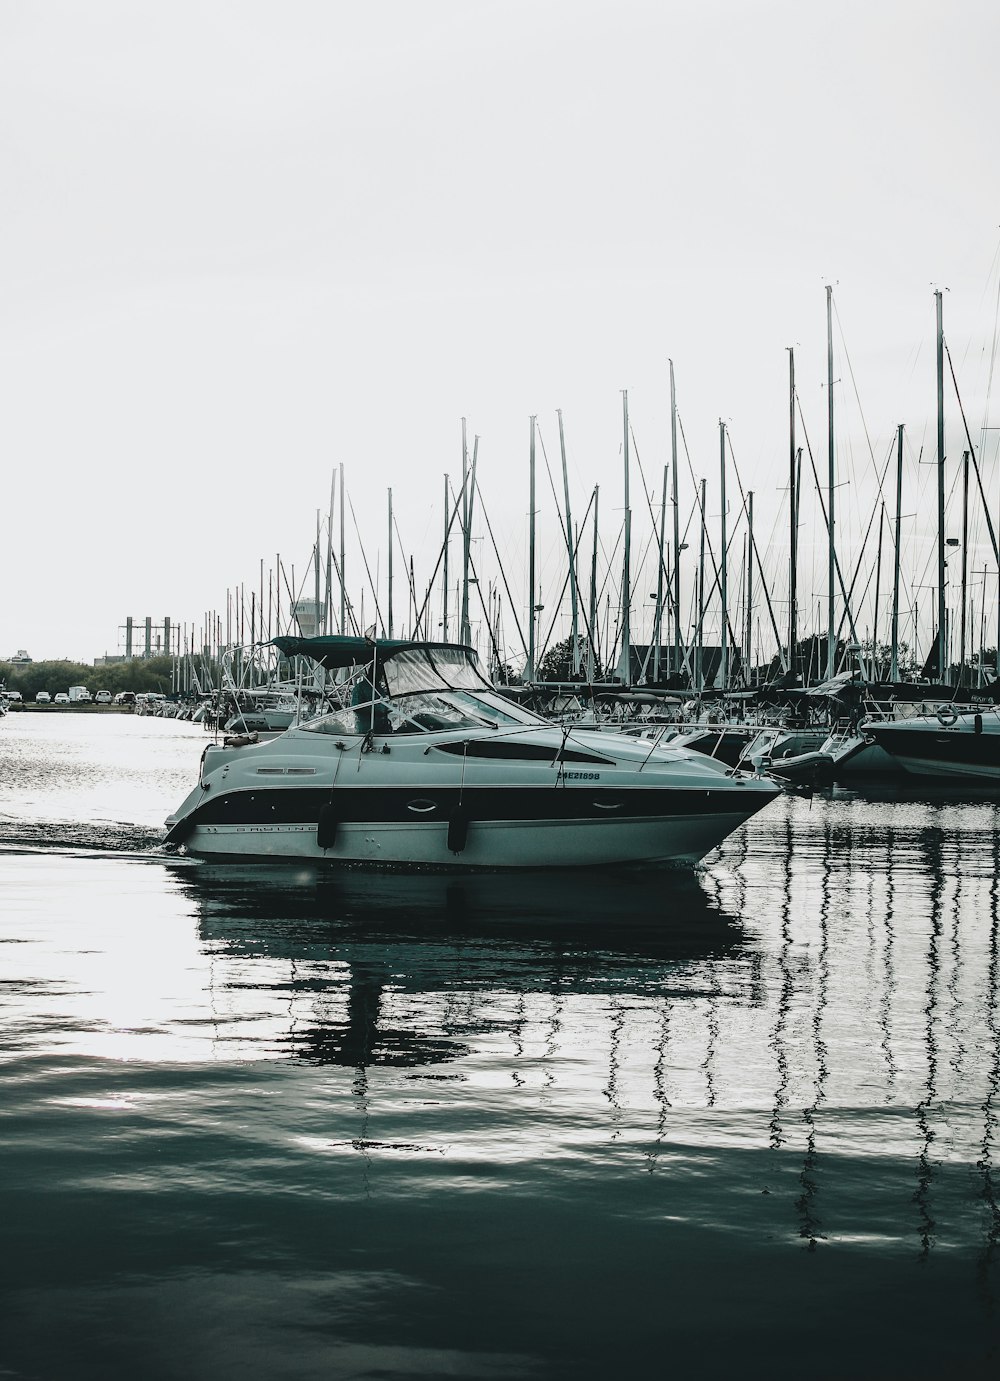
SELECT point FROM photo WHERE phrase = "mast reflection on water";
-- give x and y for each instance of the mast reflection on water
(550, 1125)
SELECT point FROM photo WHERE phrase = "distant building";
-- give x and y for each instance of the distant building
(309, 616)
(21, 659)
(144, 638)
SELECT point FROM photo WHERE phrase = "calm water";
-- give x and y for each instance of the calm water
(280, 1122)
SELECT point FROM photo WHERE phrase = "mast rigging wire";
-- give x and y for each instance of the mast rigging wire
(760, 565)
(503, 573)
(826, 520)
(972, 451)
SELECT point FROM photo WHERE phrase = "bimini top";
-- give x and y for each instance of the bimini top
(402, 667)
(334, 652)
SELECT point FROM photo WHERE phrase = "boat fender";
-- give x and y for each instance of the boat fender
(326, 828)
(977, 724)
(946, 715)
(239, 740)
(458, 829)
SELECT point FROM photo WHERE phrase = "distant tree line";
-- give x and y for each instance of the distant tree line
(557, 664)
(138, 674)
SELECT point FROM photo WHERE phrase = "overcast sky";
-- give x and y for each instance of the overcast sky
(243, 243)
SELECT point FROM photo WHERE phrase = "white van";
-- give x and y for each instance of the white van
(79, 695)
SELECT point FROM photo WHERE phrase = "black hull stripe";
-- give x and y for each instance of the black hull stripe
(394, 805)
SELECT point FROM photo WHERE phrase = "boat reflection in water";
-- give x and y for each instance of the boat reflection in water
(288, 1120)
(364, 969)
(797, 1046)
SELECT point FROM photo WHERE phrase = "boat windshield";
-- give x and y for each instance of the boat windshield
(502, 710)
(415, 713)
(432, 669)
(421, 690)
(420, 714)
(339, 723)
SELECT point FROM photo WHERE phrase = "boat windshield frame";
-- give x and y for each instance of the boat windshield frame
(420, 689)
(425, 668)
(417, 712)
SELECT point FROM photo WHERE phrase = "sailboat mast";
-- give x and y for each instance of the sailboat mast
(658, 619)
(447, 529)
(627, 569)
(793, 514)
(942, 647)
(965, 565)
(343, 578)
(317, 622)
(831, 633)
(465, 535)
(878, 590)
(573, 596)
(699, 644)
(677, 523)
(466, 624)
(390, 566)
(723, 587)
(592, 651)
(749, 637)
(328, 611)
(530, 669)
(894, 655)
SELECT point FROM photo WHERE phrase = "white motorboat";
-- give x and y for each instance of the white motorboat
(817, 757)
(263, 712)
(424, 765)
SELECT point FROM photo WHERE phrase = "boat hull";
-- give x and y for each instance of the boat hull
(489, 845)
(948, 752)
(861, 758)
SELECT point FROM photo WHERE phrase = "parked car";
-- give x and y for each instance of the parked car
(79, 695)
(61, 699)
(125, 698)
(102, 698)
(14, 699)
(43, 698)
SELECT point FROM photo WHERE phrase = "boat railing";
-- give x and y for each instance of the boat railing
(756, 752)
